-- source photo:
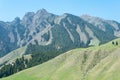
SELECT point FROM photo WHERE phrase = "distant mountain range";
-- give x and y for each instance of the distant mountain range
(44, 33)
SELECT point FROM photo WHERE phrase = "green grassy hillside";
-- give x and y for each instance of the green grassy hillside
(94, 63)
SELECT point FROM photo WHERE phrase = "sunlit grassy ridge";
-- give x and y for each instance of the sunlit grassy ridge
(93, 63)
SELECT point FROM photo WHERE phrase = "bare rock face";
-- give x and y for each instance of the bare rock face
(27, 19)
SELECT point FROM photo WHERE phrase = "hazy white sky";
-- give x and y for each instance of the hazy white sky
(108, 9)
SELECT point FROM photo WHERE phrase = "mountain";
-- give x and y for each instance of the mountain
(19, 33)
(42, 27)
(93, 63)
(41, 36)
(109, 26)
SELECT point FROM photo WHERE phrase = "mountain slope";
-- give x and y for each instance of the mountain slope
(105, 25)
(12, 56)
(94, 63)
(19, 33)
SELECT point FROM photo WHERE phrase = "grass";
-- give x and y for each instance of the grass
(93, 63)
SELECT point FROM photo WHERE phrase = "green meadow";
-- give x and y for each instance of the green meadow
(93, 63)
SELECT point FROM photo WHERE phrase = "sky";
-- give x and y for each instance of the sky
(107, 9)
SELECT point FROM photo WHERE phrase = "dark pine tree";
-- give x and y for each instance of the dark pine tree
(113, 42)
(116, 43)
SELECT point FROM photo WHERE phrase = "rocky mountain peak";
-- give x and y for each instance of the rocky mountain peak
(27, 19)
(42, 11)
(16, 20)
(28, 15)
